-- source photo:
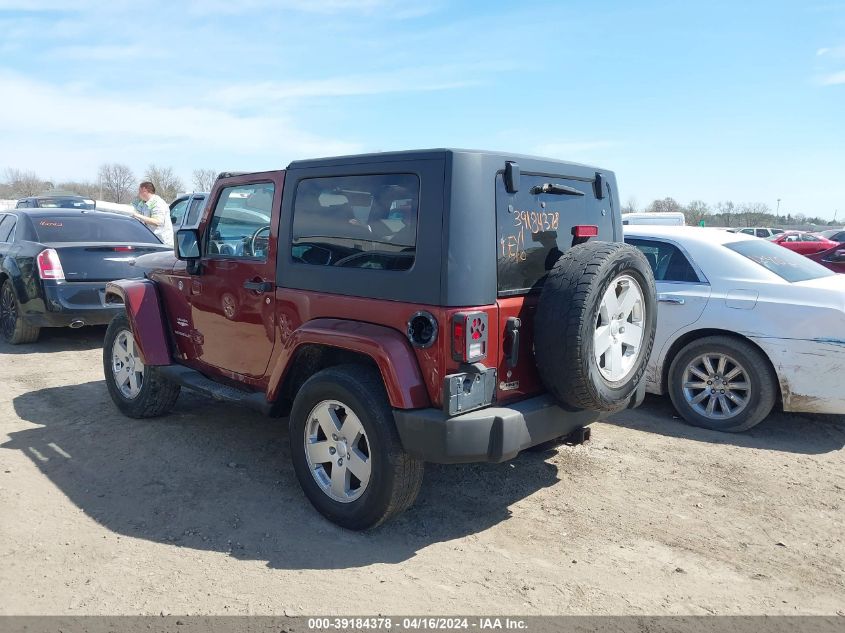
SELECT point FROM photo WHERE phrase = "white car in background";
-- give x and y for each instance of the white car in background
(741, 324)
(674, 218)
(758, 231)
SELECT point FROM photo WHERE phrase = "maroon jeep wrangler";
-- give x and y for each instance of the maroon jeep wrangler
(438, 305)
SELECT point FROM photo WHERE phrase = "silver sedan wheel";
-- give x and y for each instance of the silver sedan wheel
(716, 386)
(337, 451)
(127, 367)
(618, 338)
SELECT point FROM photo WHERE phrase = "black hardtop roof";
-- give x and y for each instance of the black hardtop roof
(55, 193)
(65, 212)
(423, 154)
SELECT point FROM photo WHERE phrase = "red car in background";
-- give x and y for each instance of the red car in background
(804, 243)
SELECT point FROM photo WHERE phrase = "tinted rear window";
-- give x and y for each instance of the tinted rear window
(781, 261)
(535, 229)
(90, 228)
(65, 203)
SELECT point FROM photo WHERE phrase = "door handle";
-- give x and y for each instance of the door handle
(512, 332)
(259, 286)
(670, 299)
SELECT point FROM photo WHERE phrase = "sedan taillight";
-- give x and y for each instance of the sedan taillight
(49, 265)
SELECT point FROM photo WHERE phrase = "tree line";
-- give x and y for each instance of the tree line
(726, 213)
(115, 182)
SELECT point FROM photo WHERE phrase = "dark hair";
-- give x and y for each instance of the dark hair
(148, 186)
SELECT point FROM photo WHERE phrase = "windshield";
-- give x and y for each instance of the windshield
(784, 263)
(91, 228)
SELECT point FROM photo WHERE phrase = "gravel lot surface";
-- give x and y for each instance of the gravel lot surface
(199, 512)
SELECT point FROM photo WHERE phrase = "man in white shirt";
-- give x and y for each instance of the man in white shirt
(157, 213)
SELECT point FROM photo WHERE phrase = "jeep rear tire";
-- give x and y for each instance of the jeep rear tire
(346, 451)
(594, 327)
(139, 391)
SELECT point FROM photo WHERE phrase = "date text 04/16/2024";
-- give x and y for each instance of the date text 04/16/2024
(416, 623)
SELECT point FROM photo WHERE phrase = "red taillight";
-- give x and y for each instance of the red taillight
(49, 265)
(123, 249)
(585, 230)
(469, 336)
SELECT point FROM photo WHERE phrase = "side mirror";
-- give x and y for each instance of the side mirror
(187, 244)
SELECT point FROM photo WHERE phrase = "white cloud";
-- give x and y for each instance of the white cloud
(404, 80)
(836, 52)
(40, 119)
(106, 53)
(834, 79)
(388, 9)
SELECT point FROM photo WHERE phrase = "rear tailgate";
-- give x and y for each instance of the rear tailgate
(101, 262)
(534, 228)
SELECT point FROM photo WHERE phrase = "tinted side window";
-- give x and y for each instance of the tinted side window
(177, 211)
(357, 221)
(194, 210)
(667, 262)
(762, 233)
(806, 237)
(240, 226)
(7, 223)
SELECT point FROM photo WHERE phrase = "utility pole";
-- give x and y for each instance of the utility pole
(777, 213)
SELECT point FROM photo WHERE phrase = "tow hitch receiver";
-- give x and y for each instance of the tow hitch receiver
(578, 436)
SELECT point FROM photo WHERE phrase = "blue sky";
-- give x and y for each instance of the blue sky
(741, 101)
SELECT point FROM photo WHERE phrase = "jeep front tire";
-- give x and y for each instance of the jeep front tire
(346, 451)
(139, 391)
(594, 326)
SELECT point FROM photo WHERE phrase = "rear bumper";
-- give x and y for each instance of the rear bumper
(809, 372)
(494, 434)
(70, 302)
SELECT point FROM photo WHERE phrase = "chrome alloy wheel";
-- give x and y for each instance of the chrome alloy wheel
(337, 451)
(127, 367)
(618, 338)
(716, 386)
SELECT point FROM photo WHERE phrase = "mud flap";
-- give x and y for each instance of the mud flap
(143, 309)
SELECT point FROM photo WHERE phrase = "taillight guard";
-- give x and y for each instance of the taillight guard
(469, 336)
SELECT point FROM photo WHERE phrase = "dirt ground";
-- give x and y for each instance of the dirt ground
(199, 512)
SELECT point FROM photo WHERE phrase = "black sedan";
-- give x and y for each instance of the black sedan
(54, 265)
(56, 201)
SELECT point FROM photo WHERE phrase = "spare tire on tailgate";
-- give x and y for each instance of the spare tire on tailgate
(594, 326)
